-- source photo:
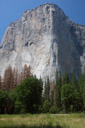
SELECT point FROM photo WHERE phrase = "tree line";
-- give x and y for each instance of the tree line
(65, 95)
(24, 93)
(12, 78)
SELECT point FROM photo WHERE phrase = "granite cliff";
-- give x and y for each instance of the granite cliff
(47, 40)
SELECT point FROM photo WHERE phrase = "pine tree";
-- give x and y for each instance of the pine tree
(53, 94)
(58, 89)
(0, 82)
(7, 80)
(26, 73)
(82, 88)
(13, 80)
(29, 74)
(75, 83)
(41, 82)
(15, 72)
(20, 78)
(47, 90)
(66, 79)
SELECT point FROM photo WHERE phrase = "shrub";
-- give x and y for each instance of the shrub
(54, 110)
(46, 106)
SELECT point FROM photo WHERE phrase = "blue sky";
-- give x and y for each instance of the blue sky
(11, 10)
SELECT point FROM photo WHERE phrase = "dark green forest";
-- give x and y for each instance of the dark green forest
(25, 93)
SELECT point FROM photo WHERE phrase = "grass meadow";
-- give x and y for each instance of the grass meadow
(43, 121)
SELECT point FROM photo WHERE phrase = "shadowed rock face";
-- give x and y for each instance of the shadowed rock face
(45, 39)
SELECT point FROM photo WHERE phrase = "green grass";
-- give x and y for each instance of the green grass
(43, 121)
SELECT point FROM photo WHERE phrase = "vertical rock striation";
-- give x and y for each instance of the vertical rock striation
(45, 39)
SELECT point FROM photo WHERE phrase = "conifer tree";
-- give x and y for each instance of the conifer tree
(26, 73)
(66, 79)
(58, 89)
(75, 83)
(29, 74)
(41, 82)
(53, 94)
(8, 80)
(20, 78)
(82, 88)
(0, 82)
(47, 89)
(15, 72)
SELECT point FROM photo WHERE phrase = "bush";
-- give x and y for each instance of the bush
(54, 110)
(46, 106)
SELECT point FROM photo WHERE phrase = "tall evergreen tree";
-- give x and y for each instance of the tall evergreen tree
(65, 79)
(58, 90)
(0, 82)
(53, 94)
(41, 82)
(74, 82)
(47, 90)
(7, 80)
(82, 88)
(26, 73)
(15, 72)
(20, 78)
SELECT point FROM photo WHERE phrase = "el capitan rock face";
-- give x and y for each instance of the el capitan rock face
(45, 39)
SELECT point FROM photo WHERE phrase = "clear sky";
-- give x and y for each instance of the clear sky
(11, 10)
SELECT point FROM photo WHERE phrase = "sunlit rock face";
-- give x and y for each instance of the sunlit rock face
(45, 39)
